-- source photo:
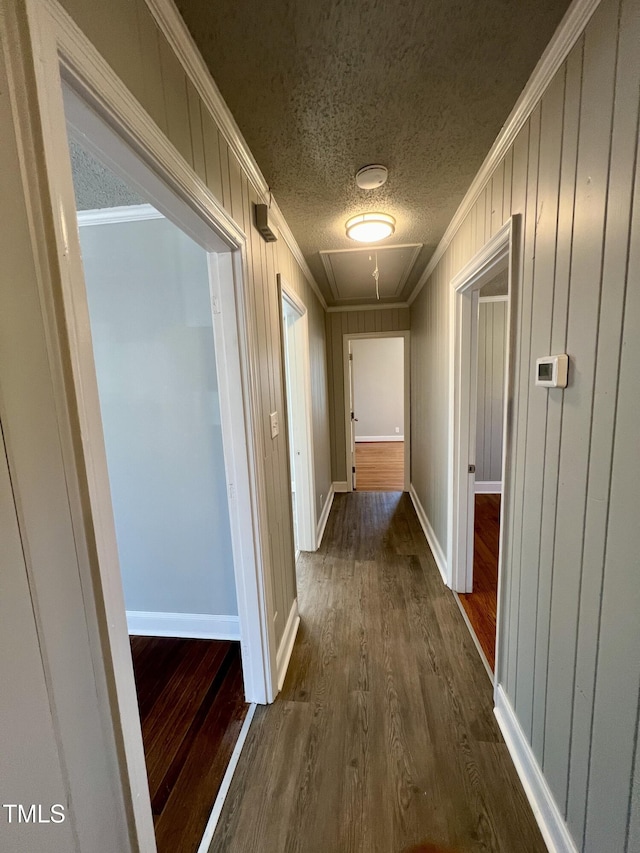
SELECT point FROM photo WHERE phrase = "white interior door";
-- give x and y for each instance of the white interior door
(295, 340)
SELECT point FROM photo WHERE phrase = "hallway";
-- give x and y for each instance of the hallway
(384, 734)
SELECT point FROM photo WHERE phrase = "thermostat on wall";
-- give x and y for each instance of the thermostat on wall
(552, 371)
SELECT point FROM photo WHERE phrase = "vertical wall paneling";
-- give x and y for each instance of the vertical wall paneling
(152, 94)
(236, 187)
(572, 589)
(174, 85)
(534, 419)
(497, 193)
(211, 138)
(523, 152)
(226, 178)
(548, 524)
(611, 534)
(569, 653)
(196, 132)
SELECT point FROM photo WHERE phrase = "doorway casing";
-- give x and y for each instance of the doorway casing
(498, 254)
(350, 456)
(298, 399)
(46, 49)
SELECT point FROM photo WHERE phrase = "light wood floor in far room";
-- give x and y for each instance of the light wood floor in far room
(481, 605)
(380, 466)
(383, 736)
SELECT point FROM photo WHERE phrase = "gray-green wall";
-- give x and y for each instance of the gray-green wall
(569, 651)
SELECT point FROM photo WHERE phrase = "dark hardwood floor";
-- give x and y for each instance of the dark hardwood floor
(481, 605)
(192, 707)
(384, 735)
(380, 466)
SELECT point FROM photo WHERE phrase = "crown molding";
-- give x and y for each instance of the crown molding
(569, 31)
(125, 213)
(176, 32)
(387, 306)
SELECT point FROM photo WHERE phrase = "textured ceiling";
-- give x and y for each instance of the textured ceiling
(96, 186)
(321, 88)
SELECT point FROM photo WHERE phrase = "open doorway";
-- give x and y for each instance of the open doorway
(295, 344)
(377, 407)
(481, 604)
(162, 390)
(480, 357)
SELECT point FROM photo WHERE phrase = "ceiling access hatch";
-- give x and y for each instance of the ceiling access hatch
(350, 271)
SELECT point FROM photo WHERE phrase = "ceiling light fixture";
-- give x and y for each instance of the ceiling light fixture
(370, 227)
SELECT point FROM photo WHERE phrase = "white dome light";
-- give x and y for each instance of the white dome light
(370, 227)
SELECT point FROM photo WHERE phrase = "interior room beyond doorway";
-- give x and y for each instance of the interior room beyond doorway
(378, 424)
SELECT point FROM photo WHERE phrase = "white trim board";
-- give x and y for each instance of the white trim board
(340, 486)
(504, 298)
(287, 642)
(324, 516)
(432, 539)
(569, 31)
(216, 811)
(545, 809)
(374, 438)
(383, 306)
(124, 213)
(201, 626)
(176, 32)
(488, 487)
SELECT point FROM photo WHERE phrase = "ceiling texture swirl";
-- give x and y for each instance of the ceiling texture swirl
(320, 89)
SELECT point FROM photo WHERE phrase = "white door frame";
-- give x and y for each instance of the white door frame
(497, 255)
(346, 339)
(61, 50)
(299, 399)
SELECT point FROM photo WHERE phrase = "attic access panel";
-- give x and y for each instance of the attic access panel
(350, 271)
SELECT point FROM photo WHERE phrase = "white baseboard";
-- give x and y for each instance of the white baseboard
(545, 809)
(340, 486)
(286, 643)
(379, 438)
(488, 487)
(432, 539)
(324, 516)
(200, 626)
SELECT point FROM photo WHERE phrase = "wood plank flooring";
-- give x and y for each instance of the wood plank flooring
(384, 735)
(192, 707)
(380, 466)
(481, 605)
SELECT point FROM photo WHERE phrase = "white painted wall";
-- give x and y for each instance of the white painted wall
(378, 371)
(148, 293)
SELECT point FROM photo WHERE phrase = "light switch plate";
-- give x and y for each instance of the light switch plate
(275, 424)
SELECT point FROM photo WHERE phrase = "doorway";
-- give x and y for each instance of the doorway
(481, 604)
(153, 319)
(482, 295)
(295, 345)
(377, 382)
